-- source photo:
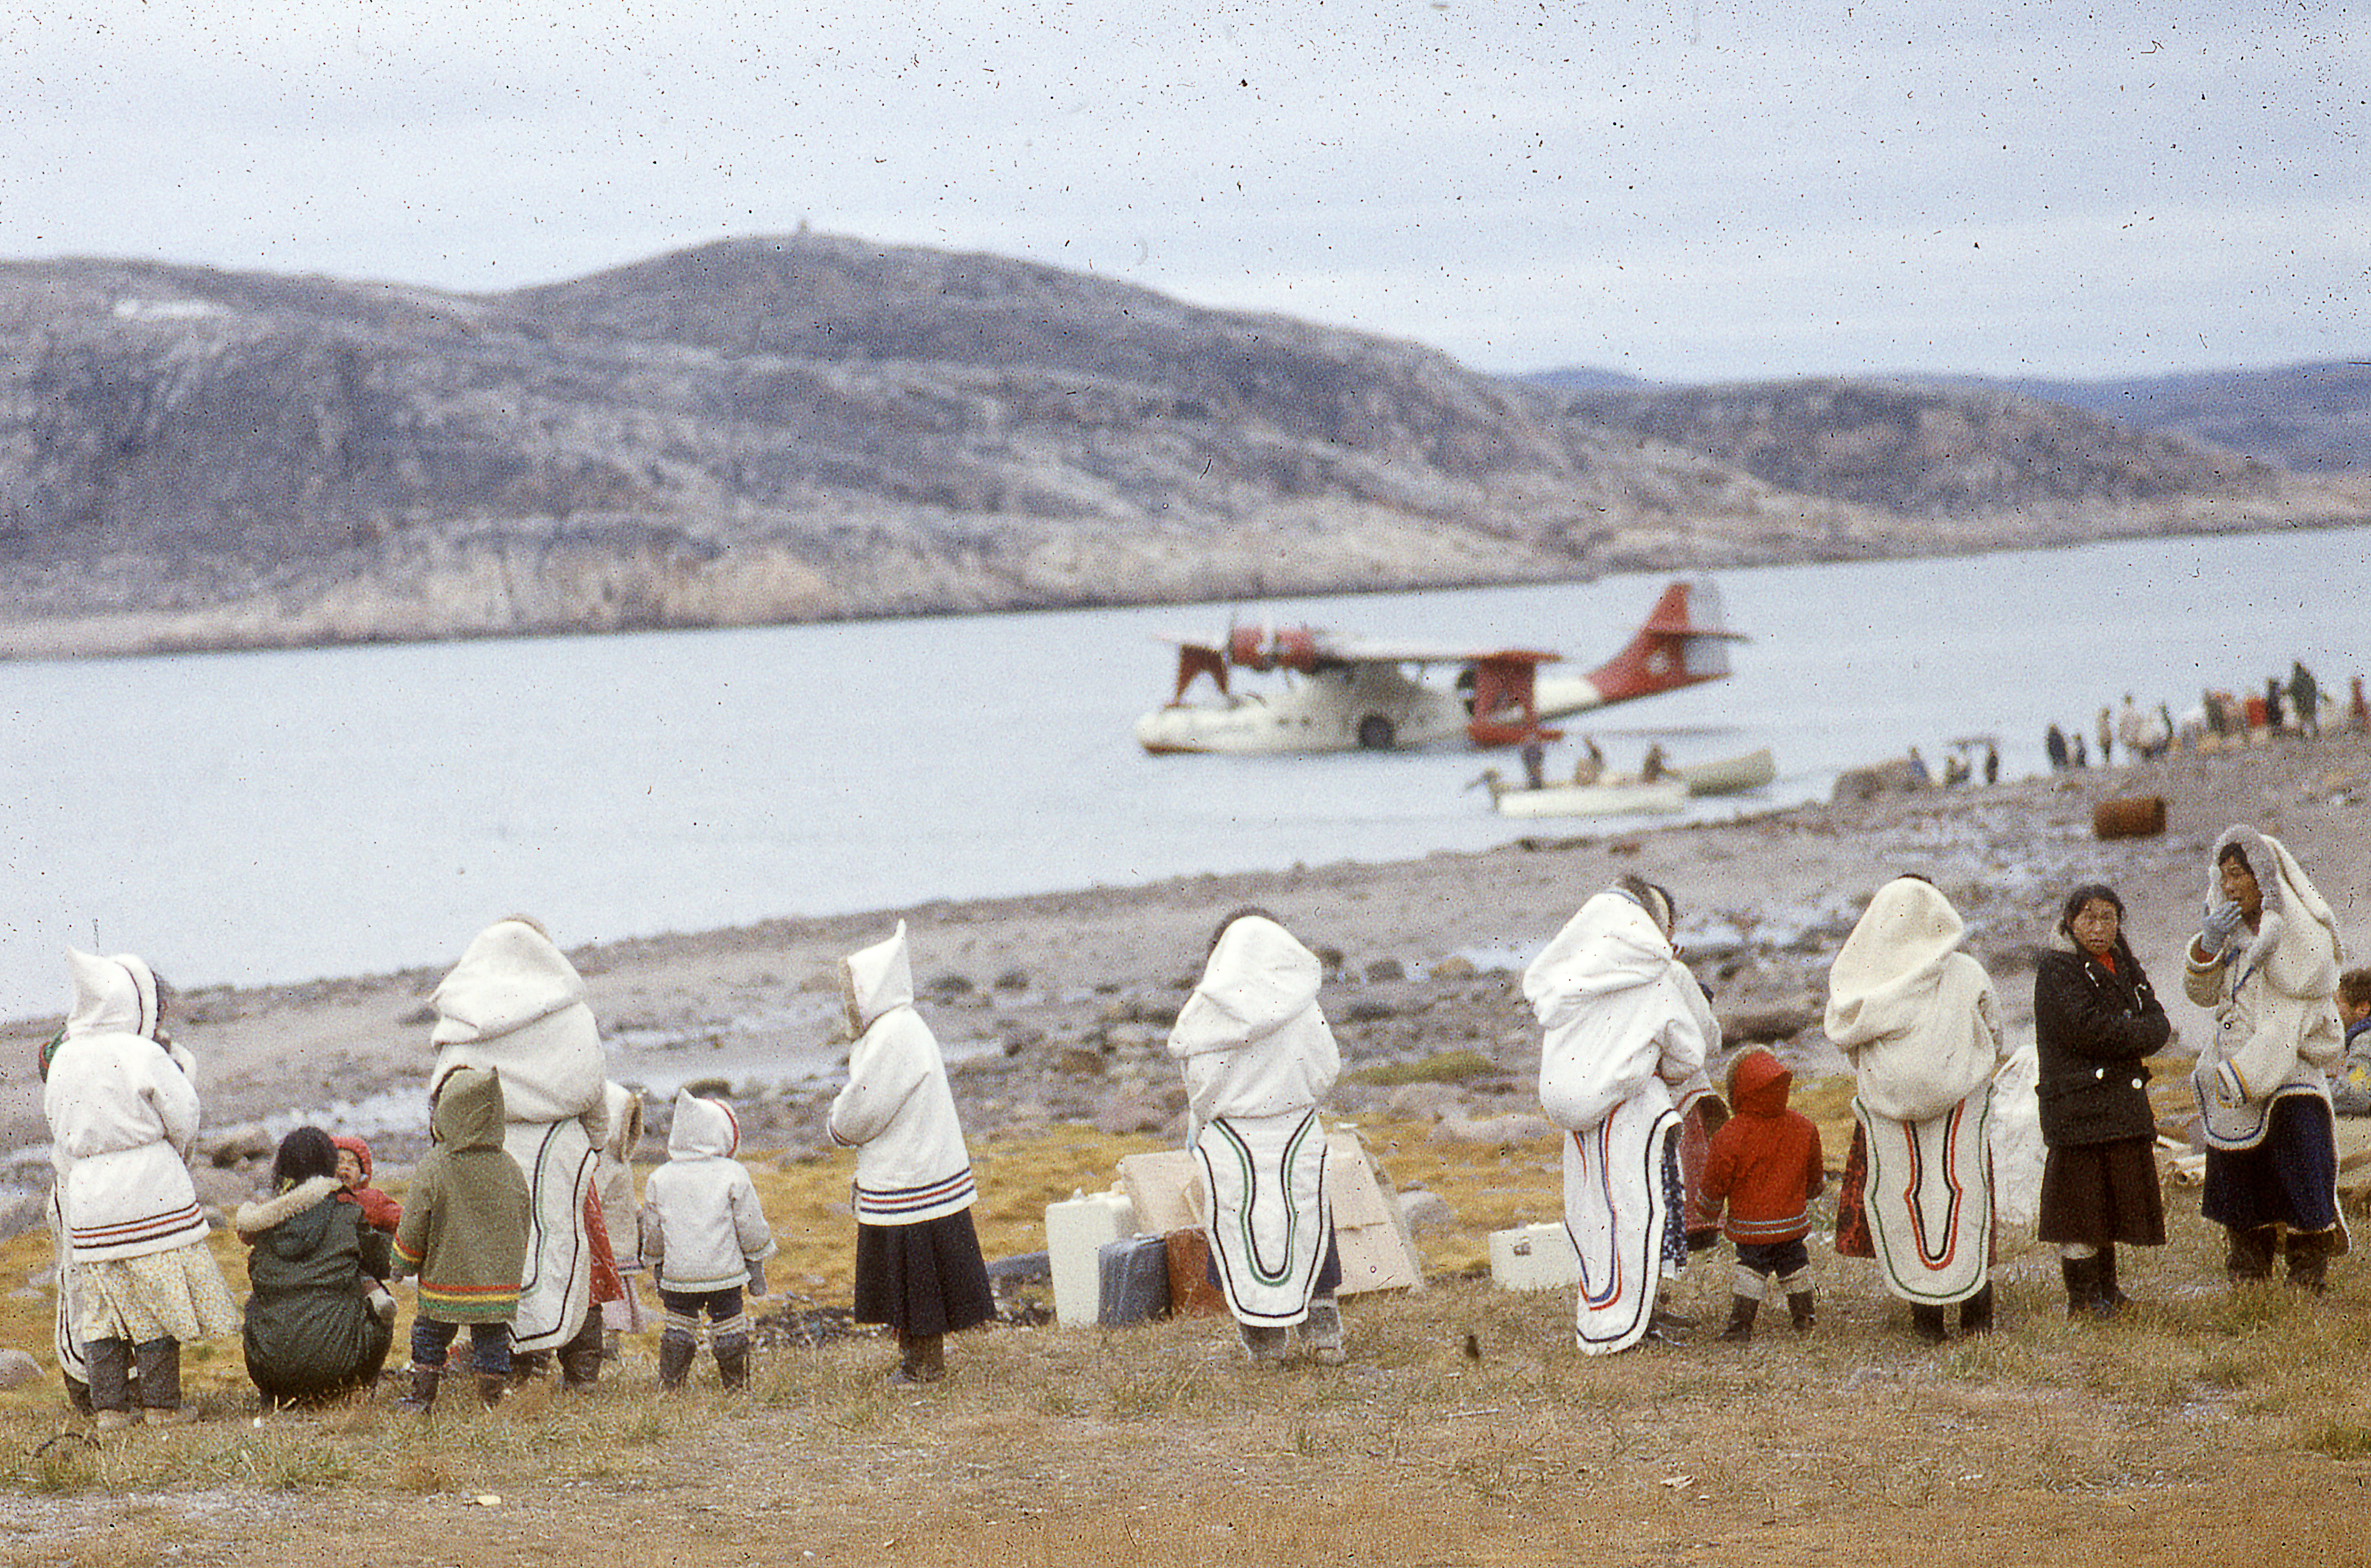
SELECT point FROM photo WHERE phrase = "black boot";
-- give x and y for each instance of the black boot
(2082, 1276)
(423, 1389)
(491, 1385)
(2249, 1257)
(925, 1359)
(675, 1352)
(1800, 1307)
(579, 1358)
(2308, 1259)
(109, 1361)
(1976, 1312)
(1927, 1322)
(733, 1361)
(1741, 1310)
(160, 1361)
(2112, 1300)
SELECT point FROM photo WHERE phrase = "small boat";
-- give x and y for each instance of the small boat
(1730, 776)
(1611, 797)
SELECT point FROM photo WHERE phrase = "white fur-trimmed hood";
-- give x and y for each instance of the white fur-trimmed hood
(255, 1219)
(2296, 945)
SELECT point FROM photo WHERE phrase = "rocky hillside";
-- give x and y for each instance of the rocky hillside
(807, 427)
(2310, 418)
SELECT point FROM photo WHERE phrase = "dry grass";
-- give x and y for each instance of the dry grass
(1156, 1443)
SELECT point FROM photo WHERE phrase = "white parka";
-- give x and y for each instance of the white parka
(1622, 1020)
(123, 1112)
(2276, 1026)
(897, 1111)
(1915, 1016)
(1251, 1039)
(701, 1223)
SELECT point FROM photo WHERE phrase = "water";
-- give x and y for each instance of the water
(272, 817)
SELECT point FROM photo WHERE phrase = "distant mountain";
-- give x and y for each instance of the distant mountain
(2309, 417)
(806, 427)
(1581, 378)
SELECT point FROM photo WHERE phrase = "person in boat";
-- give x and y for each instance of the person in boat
(2265, 960)
(516, 1003)
(1655, 766)
(1592, 765)
(2095, 1017)
(918, 1267)
(1627, 1031)
(1258, 1059)
(1918, 1020)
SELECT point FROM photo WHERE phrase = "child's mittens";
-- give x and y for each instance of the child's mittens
(756, 1276)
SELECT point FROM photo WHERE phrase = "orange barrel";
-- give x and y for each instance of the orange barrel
(2129, 816)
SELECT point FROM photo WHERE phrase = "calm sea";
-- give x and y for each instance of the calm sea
(270, 817)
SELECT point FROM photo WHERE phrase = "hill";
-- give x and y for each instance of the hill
(806, 427)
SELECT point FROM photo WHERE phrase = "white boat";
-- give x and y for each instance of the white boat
(1730, 776)
(1609, 797)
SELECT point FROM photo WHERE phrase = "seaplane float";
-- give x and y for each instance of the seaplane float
(1350, 694)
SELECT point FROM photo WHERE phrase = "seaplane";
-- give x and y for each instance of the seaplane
(1351, 693)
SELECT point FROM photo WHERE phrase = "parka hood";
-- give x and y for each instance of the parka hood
(1259, 979)
(510, 975)
(625, 1123)
(1613, 944)
(702, 1129)
(469, 1113)
(1892, 962)
(1759, 1084)
(356, 1146)
(878, 978)
(2296, 942)
(112, 996)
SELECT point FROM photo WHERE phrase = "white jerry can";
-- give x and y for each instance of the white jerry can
(1076, 1231)
(1533, 1257)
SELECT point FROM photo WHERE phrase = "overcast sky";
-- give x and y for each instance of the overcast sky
(1683, 192)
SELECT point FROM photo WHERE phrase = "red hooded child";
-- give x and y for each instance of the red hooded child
(379, 1210)
(1764, 1162)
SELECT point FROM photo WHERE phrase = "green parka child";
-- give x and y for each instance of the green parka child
(463, 1234)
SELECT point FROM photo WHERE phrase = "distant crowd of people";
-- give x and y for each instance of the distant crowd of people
(2298, 706)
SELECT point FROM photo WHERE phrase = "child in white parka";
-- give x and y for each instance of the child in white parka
(706, 1239)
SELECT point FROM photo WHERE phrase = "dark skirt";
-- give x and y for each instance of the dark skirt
(2103, 1192)
(2291, 1178)
(922, 1279)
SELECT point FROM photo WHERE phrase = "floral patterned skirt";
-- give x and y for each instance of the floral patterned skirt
(175, 1295)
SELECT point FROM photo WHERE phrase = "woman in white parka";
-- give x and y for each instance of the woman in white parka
(1258, 1059)
(515, 1003)
(1917, 1019)
(1627, 1034)
(122, 1111)
(2267, 962)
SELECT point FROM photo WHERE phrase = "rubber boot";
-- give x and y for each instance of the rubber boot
(1802, 1308)
(423, 1389)
(1927, 1322)
(733, 1362)
(160, 1361)
(1322, 1331)
(1976, 1312)
(110, 1382)
(1741, 1310)
(579, 1358)
(2308, 1255)
(1264, 1346)
(2082, 1277)
(2249, 1257)
(925, 1361)
(2112, 1298)
(675, 1352)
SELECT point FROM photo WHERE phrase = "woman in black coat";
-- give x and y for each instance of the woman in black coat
(317, 1325)
(2097, 1017)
